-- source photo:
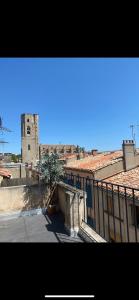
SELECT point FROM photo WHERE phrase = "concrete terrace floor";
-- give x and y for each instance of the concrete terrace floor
(34, 228)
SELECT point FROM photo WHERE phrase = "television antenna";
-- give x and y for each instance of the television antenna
(2, 130)
(133, 131)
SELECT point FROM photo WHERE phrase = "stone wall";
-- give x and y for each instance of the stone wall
(22, 197)
(17, 170)
(72, 203)
(30, 137)
(18, 181)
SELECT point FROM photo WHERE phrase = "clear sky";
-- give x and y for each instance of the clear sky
(86, 101)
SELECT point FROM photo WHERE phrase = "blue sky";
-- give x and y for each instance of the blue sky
(85, 101)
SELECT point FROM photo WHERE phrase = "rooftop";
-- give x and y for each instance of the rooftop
(93, 163)
(56, 145)
(68, 156)
(4, 172)
(129, 178)
(33, 228)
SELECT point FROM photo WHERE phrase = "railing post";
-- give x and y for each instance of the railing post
(107, 219)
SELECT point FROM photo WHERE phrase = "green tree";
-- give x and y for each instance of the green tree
(14, 158)
(51, 168)
(80, 149)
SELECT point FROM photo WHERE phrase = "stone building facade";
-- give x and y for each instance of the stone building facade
(29, 138)
(112, 214)
(31, 150)
(59, 149)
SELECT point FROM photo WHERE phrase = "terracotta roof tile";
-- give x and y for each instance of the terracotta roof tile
(129, 178)
(68, 155)
(96, 162)
(4, 172)
(72, 155)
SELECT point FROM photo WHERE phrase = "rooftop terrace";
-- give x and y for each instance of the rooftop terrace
(34, 227)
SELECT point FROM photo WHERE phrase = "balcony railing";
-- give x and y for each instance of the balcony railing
(112, 209)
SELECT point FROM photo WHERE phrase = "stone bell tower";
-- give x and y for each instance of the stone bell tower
(29, 138)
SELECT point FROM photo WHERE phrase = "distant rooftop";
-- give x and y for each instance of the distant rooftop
(129, 178)
(55, 145)
(4, 172)
(96, 162)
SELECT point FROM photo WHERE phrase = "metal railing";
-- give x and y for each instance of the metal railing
(112, 209)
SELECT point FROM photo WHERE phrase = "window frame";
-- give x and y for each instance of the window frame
(28, 130)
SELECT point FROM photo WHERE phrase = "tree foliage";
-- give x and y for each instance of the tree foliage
(80, 149)
(51, 168)
(14, 158)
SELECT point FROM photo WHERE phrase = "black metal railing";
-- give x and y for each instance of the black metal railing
(112, 210)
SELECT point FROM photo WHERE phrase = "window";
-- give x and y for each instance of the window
(28, 147)
(27, 120)
(28, 130)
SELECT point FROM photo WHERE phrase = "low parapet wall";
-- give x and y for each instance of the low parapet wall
(22, 197)
(72, 203)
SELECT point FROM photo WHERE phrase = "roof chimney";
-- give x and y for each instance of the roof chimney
(129, 154)
(94, 152)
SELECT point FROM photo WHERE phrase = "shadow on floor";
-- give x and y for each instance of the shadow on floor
(56, 225)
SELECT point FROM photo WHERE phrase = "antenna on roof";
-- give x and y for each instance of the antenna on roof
(2, 130)
(133, 132)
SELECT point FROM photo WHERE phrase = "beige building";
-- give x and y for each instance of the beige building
(112, 210)
(125, 209)
(59, 149)
(106, 164)
(31, 150)
(29, 138)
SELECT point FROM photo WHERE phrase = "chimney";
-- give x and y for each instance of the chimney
(94, 152)
(129, 154)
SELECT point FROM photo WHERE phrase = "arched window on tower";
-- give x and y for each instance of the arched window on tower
(28, 130)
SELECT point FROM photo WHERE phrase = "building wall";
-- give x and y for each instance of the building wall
(99, 200)
(1, 178)
(102, 173)
(29, 138)
(104, 224)
(18, 181)
(17, 171)
(137, 160)
(62, 149)
(22, 197)
(72, 203)
(79, 173)
(110, 170)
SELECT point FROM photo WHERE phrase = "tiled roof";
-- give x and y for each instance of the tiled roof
(93, 163)
(71, 155)
(4, 172)
(129, 178)
(68, 155)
